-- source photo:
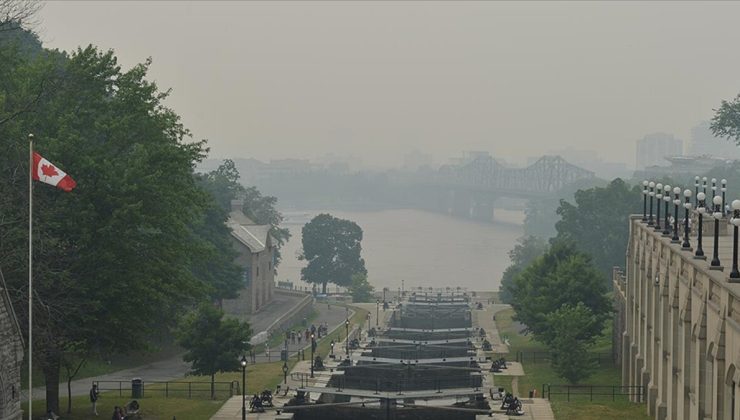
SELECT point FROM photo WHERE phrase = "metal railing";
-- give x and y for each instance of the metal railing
(581, 392)
(603, 359)
(171, 389)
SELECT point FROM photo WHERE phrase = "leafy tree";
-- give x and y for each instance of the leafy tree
(262, 210)
(726, 120)
(562, 276)
(525, 251)
(213, 344)
(361, 289)
(598, 222)
(572, 329)
(115, 257)
(332, 247)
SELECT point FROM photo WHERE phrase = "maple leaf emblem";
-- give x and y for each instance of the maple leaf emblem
(49, 170)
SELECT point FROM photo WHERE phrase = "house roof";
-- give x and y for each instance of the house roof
(255, 237)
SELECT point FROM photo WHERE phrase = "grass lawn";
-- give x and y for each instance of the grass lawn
(537, 374)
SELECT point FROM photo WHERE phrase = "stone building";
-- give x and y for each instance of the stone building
(256, 248)
(11, 357)
(681, 325)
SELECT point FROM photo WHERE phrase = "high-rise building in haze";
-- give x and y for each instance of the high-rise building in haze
(653, 148)
(703, 142)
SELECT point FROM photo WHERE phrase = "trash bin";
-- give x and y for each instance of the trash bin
(283, 355)
(137, 388)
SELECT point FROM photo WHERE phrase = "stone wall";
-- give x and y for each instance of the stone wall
(681, 336)
(11, 357)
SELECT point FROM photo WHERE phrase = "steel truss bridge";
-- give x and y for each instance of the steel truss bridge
(547, 176)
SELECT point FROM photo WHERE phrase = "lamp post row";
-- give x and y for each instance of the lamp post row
(718, 210)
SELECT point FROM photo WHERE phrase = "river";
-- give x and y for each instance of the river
(421, 248)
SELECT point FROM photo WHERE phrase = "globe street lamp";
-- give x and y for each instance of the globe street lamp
(332, 347)
(644, 201)
(346, 325)
(724, 191)
(313, 348)
(368, 322)
(244, 387)
(715, 264)
(696, 190)
(686, 246)
(735, 274)
(676, 202)
(285, 372)
(651, 194)
(377, 311)
(704, 185)
(714, 188)
(659, 199)
(667, 199)
(701, 209)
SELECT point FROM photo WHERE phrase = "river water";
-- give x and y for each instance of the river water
(418, 247)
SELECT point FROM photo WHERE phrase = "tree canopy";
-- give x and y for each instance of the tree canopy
(598, 222)
(126, 252)
(213, 344)
(332, 247)
(525, 251)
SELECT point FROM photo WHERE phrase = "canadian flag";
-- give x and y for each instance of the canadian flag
(48, 173)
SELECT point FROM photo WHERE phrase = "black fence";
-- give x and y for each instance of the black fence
(603, 359)
(170, 389)
(591, 392)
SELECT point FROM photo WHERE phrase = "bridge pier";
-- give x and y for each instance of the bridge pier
(460, 204)
(482, 208)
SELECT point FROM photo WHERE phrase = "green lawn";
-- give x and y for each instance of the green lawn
(536, 374)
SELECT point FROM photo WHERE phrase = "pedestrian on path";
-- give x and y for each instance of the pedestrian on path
(94, 394)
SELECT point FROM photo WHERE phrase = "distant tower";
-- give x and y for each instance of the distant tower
(654, 148)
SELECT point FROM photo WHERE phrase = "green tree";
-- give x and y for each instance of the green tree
(525, 251)
(572, 328)
(562, 276)
(213, 344)
(263, 210)
(332, 247)
(598, 223)
(361, 289)
(114, 258)
(726, 120)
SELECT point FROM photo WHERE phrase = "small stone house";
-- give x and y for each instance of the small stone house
(256, 248)
(11, 358)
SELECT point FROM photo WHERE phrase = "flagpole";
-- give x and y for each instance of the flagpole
(30, 277)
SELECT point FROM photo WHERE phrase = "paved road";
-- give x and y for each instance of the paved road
(175, 368)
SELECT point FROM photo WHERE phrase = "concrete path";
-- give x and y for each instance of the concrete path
(174, 368)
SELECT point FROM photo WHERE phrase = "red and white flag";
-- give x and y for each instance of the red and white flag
(48, 173)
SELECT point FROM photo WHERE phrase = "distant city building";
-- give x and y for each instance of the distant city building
(11, 357)
(703, 142)
(415, 160)
(653, 148)
(256, 248)
(683, 166)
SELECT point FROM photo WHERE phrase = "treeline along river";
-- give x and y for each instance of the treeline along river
(421, 248)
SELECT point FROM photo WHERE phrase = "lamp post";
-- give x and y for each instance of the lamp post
(244, 387)
(696, 190)
(704, 185)
(644, 201)
(313, 348)
(368, 322)
(676, 202)
(651, 194)
(332, 347)
(735, 274)
(667, 199)
(658, 199)
(701, 209)
(714, 188)
(686, 246)
(724, 191)
(377, 311)
(285, 373)
(346, 325)
(715, 264)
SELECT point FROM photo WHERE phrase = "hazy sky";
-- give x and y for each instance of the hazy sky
(379, 79)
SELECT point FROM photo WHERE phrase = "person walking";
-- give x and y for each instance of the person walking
(94, 394)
